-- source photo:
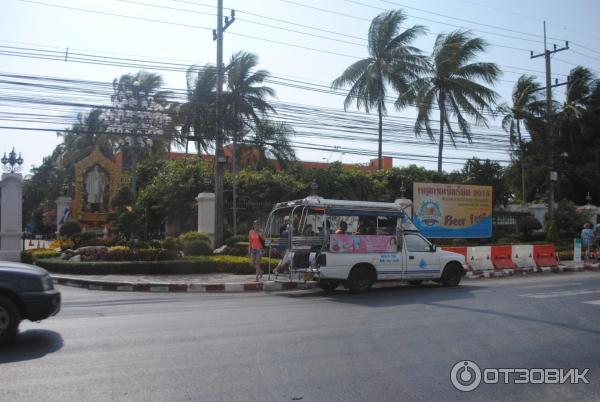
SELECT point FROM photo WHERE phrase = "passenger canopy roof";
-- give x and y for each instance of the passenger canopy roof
(329, 204)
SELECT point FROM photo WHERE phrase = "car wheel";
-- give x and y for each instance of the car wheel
(328, 286)
(361, 279)
(452, 275)
(415, 282)
(9, 320)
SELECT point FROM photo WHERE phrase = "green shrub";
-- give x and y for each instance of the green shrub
(138, 244)
(526, 225)
(70, 228)
(116, 240)
(171, 243)
(230, 241)
(85, 236)
(197, 247)
(96, 241)
(238, 249)
(154, 243)
(459, 242)
(191, 265)
(552, 234)
(190, 236)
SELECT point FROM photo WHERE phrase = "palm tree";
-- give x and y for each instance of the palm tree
(245, 99)
(525, 106)
(87, 134)
(451, 84)
(142, 111)
(198, 116)
(580, 86)
(392, 60)
(270, 139)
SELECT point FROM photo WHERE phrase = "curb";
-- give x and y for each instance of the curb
(272, 286)
(474, 275)
(179, 287)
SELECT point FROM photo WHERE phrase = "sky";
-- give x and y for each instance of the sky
(329, 36)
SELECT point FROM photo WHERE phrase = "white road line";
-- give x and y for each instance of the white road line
(549, 295)
(552, 286)
(596, 302)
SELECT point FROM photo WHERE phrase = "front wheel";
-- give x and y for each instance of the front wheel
(452, 275)
(9, 320)
(361, 279)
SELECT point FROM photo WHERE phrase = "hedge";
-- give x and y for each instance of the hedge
(192, 265)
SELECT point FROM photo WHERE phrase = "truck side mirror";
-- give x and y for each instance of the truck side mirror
(432, 248)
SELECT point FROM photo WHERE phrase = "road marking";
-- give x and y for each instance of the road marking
(596, 302)
(551, 286)
(560, 294)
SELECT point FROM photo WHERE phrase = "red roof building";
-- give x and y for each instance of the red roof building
(250, 157)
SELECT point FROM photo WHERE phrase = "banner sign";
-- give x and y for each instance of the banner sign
(453, 210)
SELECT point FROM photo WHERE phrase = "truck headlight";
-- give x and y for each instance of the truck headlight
(47, 283)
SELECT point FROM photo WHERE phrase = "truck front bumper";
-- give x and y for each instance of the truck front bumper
(41, 305)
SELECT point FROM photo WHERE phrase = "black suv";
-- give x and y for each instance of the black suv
(26, 292)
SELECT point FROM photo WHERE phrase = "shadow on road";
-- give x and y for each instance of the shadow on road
(31, 344)
(386, 296)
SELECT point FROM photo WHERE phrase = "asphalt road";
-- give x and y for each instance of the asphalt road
(389, 345)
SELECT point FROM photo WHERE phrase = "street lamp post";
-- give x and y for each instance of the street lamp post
(12, 163)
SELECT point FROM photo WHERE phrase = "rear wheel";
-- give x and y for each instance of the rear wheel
(361, 279)
(328, 286)
(415, 282)
(452, 275)
(9, 320)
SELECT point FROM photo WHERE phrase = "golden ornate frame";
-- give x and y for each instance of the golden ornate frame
(93, 219)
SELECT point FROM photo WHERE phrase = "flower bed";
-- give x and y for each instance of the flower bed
(32, 255)
(122, 253)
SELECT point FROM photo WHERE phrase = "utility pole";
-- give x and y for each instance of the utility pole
(553, 175)
(220, 159)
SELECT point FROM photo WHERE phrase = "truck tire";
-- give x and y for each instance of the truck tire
(361, 279)
(416, 282)
(452, 275)
(328, 286)
(9, 320)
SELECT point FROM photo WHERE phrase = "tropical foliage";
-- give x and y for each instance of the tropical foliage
(526, 105)
(452, 85)
(392, 61)
(452, 90)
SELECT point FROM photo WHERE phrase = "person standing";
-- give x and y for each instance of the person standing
(256, 246)
(587, 237)
(597, 237)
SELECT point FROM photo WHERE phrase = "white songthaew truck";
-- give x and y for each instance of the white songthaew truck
(355, 244)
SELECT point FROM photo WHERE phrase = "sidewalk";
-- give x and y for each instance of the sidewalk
(229, 283)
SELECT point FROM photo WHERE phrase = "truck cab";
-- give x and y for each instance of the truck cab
(355, 244)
